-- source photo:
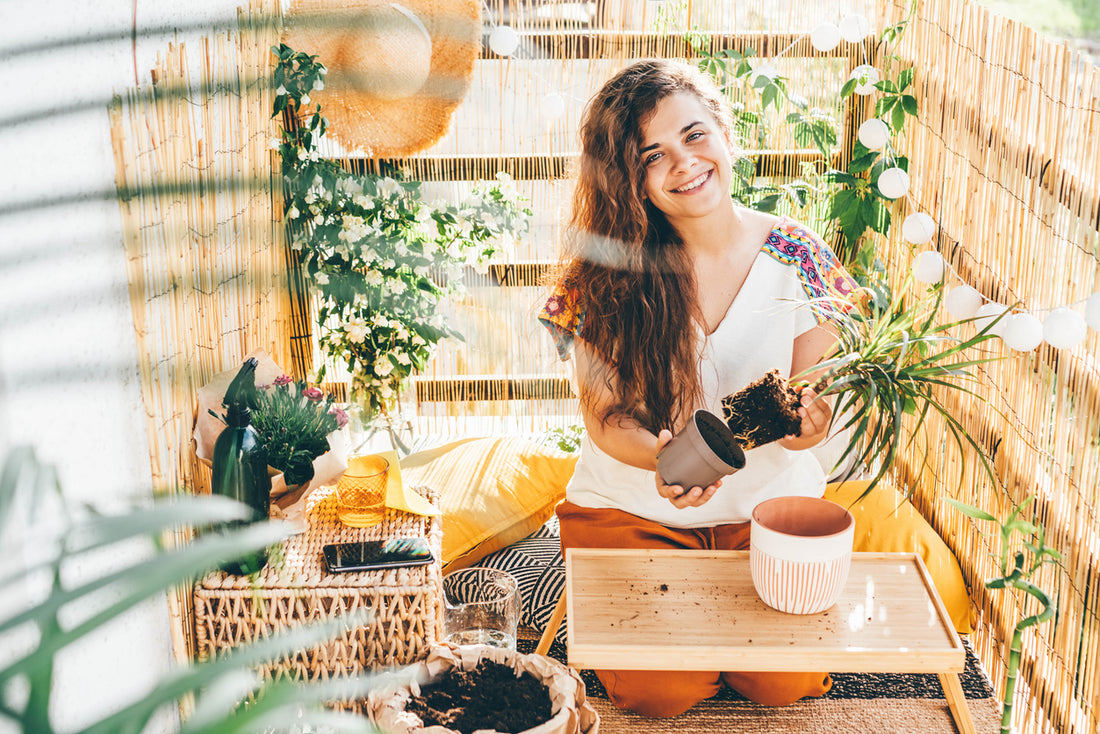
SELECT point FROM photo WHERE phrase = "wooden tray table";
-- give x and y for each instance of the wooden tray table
(635, 609)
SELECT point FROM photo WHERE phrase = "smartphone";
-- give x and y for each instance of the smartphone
(372, 555)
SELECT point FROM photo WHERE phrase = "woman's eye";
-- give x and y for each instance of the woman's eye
(695, 135)
(652, 159)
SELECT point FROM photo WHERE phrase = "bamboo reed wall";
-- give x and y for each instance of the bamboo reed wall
(199, 192)
(1006, 157)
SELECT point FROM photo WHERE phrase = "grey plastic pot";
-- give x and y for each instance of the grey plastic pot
(703, 452)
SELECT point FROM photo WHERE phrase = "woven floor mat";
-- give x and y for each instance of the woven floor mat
(863, 703)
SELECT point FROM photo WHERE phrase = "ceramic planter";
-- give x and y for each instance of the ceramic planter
(800, 551)
(702, 453)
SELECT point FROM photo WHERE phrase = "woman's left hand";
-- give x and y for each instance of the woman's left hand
(816, 415)
(682, 497)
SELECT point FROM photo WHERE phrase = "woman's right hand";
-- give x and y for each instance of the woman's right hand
(674, 493)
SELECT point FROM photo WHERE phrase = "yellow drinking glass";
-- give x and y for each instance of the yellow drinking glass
(361, 491)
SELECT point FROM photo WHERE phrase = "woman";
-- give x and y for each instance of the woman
(673, 297)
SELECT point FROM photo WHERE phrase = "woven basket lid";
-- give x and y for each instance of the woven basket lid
(396, 71)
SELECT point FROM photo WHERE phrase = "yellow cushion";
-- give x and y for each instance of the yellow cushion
(885, 522)
(493, 491)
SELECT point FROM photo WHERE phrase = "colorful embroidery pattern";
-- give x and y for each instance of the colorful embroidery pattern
(561, 316)
(821, 273)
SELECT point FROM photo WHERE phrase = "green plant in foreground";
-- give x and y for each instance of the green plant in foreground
(66, 605)
(1016, 571)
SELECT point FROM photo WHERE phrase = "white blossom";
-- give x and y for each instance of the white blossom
(421, 271)
(356, 330)
(302, 154)
(373, 277)
(293, 212)
(305, 99)
(397, 287)
(380, 320)
(274, 143)
(321, 277)
(402, 358)
(383, 366)
(418, 341)
(388, 187)
(280, 91)
(318, 84)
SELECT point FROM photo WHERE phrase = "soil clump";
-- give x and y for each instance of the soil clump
(489, 696)
(763, 411)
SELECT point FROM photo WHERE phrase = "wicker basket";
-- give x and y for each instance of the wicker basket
(407, 602)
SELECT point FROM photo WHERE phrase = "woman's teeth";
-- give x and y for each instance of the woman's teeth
(693, 184)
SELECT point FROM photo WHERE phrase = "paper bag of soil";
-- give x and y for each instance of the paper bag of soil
(571, 712)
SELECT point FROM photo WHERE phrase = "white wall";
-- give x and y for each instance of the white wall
(68, 377)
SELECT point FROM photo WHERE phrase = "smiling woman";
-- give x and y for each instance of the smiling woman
(670, 296)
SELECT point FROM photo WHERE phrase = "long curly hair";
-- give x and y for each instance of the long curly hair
(627, 265)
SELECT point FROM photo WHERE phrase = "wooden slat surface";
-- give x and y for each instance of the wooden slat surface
(697, 610)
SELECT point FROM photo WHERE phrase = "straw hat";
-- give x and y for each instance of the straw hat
(396, 71)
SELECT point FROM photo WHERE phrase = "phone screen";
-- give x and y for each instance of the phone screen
(370, 555)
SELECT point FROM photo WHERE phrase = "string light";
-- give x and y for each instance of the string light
(1062, 328)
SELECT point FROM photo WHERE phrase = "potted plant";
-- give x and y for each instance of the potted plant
(378, 258)
(483, 688)
(298, 425)
(892, 359)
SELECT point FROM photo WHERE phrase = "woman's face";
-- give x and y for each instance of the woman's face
(687, 159)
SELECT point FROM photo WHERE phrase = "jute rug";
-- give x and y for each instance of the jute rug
(860, 703)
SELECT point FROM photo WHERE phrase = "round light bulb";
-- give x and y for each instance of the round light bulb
(854, 27)
(871, 76)
(893, 183)
(1092, 311)
(929, 267)
(986, 316)
(873, 134)
(1023, 332)
(825, 37)
(553, 106)
(962, 302)
(504, 40)
(1064, 328)
(918, 228)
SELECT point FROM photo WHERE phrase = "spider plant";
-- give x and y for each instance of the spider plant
(228, 697)
(892, 358)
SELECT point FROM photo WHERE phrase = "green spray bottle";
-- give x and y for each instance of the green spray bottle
(240, 463)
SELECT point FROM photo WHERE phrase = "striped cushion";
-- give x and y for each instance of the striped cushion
(537, 564)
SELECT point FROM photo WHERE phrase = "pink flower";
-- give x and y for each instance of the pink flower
(341, 416)
(283, 380)
(313, 393)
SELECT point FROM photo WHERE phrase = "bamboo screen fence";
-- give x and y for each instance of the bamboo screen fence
(205, 259)
(1005, 156)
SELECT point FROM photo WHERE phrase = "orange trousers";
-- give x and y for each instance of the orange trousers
(663, 693)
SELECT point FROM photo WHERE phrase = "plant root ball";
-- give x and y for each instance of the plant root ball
(763, 411)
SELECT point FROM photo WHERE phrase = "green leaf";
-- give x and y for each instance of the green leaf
(905, 78)
(863, 161)
(848, 88)
(909, 103)
(897, 118)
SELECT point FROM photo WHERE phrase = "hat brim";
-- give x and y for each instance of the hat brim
(381, 126)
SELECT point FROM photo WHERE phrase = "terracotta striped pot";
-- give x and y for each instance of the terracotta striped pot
(800, 550)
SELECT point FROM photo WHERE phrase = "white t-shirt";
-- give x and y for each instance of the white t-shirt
(756, 335)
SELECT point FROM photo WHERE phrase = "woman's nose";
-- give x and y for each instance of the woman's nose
(682, 159)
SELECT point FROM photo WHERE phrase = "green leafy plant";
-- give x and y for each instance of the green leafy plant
(567, 438)
(379, 258)
(67, 605)
(294, 421)
(890, 361)
(1016, 572)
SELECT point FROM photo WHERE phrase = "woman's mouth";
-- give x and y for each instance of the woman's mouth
(694, 183)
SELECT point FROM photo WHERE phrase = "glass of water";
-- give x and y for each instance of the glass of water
(481, 607)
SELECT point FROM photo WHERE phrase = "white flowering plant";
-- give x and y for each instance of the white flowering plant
(379, 258)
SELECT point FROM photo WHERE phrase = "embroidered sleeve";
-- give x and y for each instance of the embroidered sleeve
(563, 318)
(826, 283)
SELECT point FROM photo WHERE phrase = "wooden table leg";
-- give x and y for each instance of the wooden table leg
(956, 701)
(552, 628)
